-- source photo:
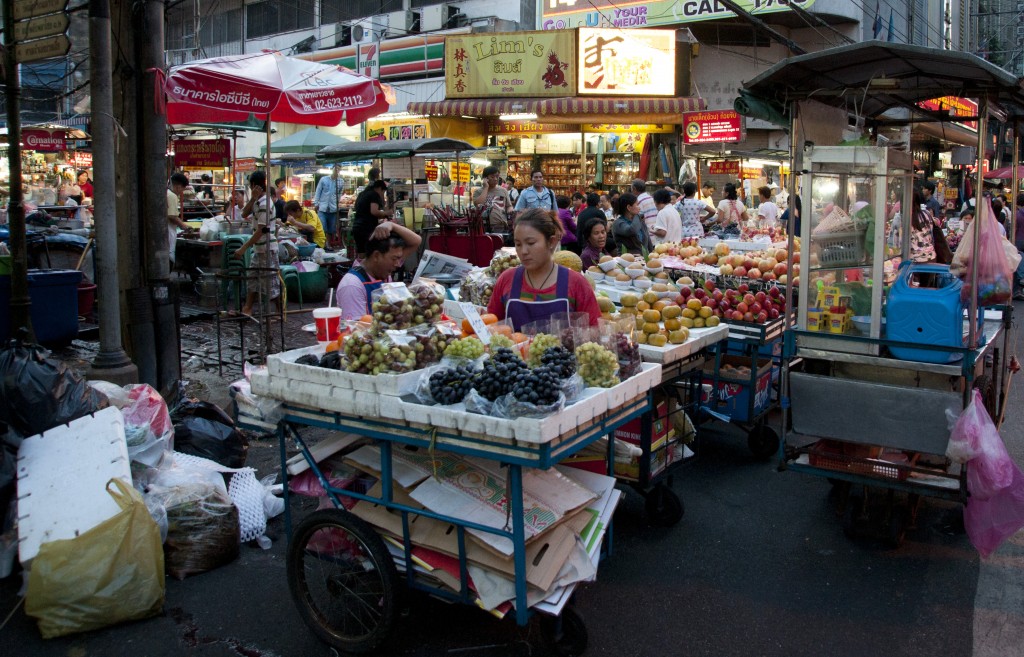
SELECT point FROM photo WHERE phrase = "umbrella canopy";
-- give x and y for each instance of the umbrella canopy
(270, 85)
(1006, 173)
(307, 141)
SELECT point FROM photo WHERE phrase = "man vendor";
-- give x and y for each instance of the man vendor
(306, 222)
(385, 251)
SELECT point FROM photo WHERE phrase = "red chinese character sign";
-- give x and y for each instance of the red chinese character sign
(520, 64)
(202, 153)
(713, 126)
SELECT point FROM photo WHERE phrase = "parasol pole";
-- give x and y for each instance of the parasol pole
(979, 198)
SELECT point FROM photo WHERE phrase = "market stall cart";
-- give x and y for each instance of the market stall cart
(345, 566)
(882, 348)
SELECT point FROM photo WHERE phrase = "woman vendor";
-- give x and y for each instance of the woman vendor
(388, 245)
(539, 288)
(594, 237)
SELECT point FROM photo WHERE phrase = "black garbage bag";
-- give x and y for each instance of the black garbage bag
(204, 429)
(39, 393)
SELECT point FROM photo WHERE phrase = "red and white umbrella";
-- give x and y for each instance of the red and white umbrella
(270, 85)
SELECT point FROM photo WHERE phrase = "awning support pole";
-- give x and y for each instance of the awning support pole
(979, 199)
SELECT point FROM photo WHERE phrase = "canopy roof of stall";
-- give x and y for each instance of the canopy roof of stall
(872, 77)
(567, 110)
(308, 141)
(388, 149)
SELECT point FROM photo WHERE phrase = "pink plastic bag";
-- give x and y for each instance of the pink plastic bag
(995, 276)
(991, 521)
(976, 441)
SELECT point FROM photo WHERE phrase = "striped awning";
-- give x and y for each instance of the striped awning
(568, 110)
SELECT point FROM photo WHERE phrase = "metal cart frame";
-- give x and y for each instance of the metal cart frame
(388, 434)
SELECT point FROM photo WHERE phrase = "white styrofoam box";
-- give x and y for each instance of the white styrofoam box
(591, 404)
(648, 377)
(320, 396)
(259, 383)
(284, 365)
(62, 479)
(699, 338)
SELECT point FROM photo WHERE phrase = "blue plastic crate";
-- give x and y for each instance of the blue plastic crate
(54, 295)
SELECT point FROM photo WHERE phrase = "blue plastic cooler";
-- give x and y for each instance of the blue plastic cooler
(925, 315)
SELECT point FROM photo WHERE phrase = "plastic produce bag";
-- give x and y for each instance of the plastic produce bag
(510, 407)
(991, 521)
(995, 274)
(37, 393)
(976, 441)
(203, 429)
(147, 422)
(428, 298)
(202, 528)
(112, 573)
(394, 307)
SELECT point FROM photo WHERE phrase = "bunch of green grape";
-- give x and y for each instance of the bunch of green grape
(540, 343)
(470, 348)
(498, 341)
(597, 365)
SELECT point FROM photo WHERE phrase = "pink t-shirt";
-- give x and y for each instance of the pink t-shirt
(581, 296)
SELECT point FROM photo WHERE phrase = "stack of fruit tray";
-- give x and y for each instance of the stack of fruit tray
(389, 396)
(699, 339)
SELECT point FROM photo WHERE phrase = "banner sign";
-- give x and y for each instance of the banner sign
(245, 164)
(396, 129)
(713, 126)
(201, 153)
(634, 63)
(954, 106)
(724, 167)
(80, 159)
(603, 128)
(497, 127)
(520, 64)
(44, 141)
(565, 14)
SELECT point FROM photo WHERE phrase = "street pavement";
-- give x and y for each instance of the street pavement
(758, 566)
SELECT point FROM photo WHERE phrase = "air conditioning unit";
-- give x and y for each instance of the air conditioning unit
(402, 23)
(368, 30)
(441, 17)
(489, 24)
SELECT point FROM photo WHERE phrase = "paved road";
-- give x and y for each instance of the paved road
(758, 566)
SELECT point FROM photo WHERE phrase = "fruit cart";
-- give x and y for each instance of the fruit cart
(345, 564)
(867, 401)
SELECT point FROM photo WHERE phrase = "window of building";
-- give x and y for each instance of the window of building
(268, 18)
(334, 11)
(225, 27)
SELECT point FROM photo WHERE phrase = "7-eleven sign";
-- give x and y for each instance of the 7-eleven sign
(368, 62)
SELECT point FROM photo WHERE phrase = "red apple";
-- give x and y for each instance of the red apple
(760, 297)
(740, 271)
(754, 273)
(709, 285)
(796, 270)
(710, 259)
(796, 281)
(737, 315)
(724, 305)
(749, 263)
(699, 293)
(748, 317)
(742, 288)
(749, 298)
(767, 276)
(755, 307)
(685, 291)
(780, 269)
(774, 292)
(773, 313)
(711, 303)
(762, 317)
(742, 307)
(796, 256)
(680, 300)
(731, 294)
(781, 255)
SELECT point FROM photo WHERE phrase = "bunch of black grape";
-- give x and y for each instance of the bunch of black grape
(499, 374)
(450, 386)
(559, 360)
(540, 387)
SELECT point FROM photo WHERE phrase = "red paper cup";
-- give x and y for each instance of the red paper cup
(328, 323)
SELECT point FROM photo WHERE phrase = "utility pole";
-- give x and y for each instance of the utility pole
(152, 126)
(21, 303)
(111, 363)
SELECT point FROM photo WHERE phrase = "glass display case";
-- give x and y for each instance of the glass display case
(853, 235)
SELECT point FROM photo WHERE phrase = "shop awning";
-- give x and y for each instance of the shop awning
(390, 149)
(569, 110)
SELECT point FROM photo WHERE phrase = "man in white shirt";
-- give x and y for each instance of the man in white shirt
(174, 211)
(767, 211)
(648, 210)
(668, 227)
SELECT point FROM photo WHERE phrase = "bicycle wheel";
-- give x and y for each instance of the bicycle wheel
(343, 580)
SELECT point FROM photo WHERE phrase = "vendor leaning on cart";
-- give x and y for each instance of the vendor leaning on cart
(539, 288)
(385, 251)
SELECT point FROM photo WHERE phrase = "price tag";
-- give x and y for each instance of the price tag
(469, 309)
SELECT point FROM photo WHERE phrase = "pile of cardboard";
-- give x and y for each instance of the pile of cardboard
(565, 511)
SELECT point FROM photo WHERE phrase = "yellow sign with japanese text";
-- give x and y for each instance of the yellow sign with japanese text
(518, 64)
(627, 62)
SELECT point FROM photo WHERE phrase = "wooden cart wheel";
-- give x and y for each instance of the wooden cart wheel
(663, 507)
(343, 580)
(763, 442)
(565, 635)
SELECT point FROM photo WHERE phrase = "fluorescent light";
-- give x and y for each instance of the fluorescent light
(517, 117)
(480, 161)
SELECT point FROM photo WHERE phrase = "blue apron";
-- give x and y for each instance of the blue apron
(522, 312)
(368, 286)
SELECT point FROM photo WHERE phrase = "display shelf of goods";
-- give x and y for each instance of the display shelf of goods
(851, 220)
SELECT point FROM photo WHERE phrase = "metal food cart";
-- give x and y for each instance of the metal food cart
(344, 579)
(874, 424)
